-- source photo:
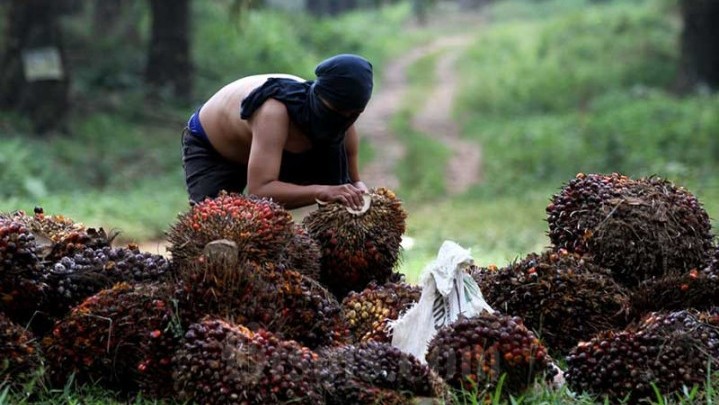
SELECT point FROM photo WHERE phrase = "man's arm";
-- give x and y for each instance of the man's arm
(352, 147)
(270, 129)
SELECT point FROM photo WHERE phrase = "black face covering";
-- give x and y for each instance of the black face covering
(343, 81)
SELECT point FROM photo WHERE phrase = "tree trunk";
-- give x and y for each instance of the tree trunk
(106, 16)
(699, 44)
(33, 73)
(330, 7)
(168, 64)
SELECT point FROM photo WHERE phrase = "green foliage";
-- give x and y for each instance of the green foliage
(421, 173)
(590, 88)
(559, 64)
(264, 41)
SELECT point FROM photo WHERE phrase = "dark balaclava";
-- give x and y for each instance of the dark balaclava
(344, 81)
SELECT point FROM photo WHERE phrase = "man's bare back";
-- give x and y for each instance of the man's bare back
(231, 135)
(282, 137)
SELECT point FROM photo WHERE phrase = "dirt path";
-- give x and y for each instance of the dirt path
(434, 119)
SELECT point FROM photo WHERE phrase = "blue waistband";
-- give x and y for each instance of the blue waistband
(195, 126)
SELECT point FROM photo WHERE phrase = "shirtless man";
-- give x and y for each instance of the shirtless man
(282, 137)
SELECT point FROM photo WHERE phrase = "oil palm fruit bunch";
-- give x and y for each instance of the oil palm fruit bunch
(59, 236)
(224, 363)
(561, 296)
(368, 312)
(123, 337)
(366, 373)
(21, 271)
(693, 289)
(73, 278)
(358, 247)
(713, 268)
(302, 253)
(668, 350)
(20, 357)
(638, 229)
(262, 296)
(259, 227)
(472, 354)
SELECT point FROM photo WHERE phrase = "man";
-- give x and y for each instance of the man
(282, 137)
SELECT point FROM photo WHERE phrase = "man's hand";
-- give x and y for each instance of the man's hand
(360, 185)
(348, 194)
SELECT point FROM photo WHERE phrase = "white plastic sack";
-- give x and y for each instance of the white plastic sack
(447, 292)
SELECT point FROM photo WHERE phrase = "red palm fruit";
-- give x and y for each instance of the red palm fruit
(262, 297)
(666, 351)
(368, 372)
(122, 338)
(259, 227)
(358, 248)
(224, 363)
(563, 297)
(20, 354)
(472, 354)
(368, 312)
(638, 229)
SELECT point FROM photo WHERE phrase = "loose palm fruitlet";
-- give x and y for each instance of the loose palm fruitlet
(224, 363)
(666, 349)
(358, 248)
(693, 289)
(59, 236)
(367, 373)
(472, 354)
(259, 227)
(368, 312)
(562, 297)
(302, 254)
(262, 296)
(122, 338)
(638, 229)
(20, 357)
(21, 272)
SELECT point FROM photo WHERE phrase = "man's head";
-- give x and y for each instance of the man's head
(339, 94)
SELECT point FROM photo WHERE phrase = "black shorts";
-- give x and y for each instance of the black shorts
(207, 172)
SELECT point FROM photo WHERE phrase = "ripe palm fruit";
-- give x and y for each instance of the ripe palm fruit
(638, 229)
(123, 337)
(472, 354)
(20, 358)
(60, 236)
(358, 248)
(693, 289)
(666, 349)
(368, 312)
(259, 227)
(262, 297)
(562, 297)
(367, 372)
(302, 253)
(225, 363)
(21, 271)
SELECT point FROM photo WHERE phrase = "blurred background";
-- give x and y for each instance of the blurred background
(482, 109)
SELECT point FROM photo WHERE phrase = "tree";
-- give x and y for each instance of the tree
(169, 65)
(699, 44)
(330, 7)
(33, 72)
